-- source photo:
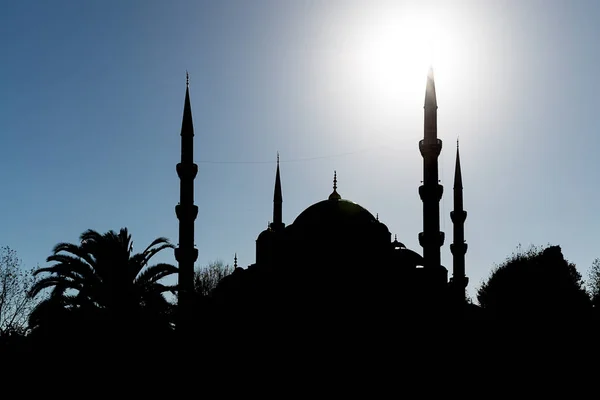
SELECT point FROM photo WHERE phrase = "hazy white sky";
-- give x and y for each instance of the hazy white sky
(92, 98)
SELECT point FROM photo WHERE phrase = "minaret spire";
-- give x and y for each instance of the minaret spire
(430, 96)
(277, 202)
(457, 178)
(431, 239)
(185, 253)
(458, 247)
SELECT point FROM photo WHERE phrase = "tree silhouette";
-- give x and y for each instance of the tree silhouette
(103, 283)
(594, 283)
(534, 285)
(208, 277)
(15, 283)
(15, 304)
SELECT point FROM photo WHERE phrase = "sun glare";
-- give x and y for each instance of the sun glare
(396, 49)
(377, 62)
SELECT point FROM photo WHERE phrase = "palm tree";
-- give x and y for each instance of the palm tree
(101, 279)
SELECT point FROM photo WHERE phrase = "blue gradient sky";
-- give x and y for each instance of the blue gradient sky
(91, 99)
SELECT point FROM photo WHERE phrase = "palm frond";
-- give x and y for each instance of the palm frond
(76, 250)
(90, 236)
(152, 252)
(140, 260)
(75, 263)
(102, 272)
(58, 292)
(66, 271)
(53, 281)
(157, 241)
(135, 265)
(154, 273)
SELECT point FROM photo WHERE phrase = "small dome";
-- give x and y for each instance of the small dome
(409, 257)
(396, 244)
(265, 235)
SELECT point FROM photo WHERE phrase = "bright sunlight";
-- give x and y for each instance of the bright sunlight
(391, 48)
(398, 49)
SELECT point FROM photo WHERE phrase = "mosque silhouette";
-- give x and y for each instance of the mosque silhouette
(336, 263)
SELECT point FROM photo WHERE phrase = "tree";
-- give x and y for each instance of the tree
(15, 283)
(594, 283)
(208, 277)
(535, 284)
(101, 281)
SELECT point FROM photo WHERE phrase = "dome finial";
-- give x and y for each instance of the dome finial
(235, 261)
(377, 217)
(334, 181)
(187, 78)
(334, 195)
(395, 237)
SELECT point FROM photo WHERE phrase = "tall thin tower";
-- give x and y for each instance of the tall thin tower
(431, 239)
(458, 247)
(186, 211)
(277, 224)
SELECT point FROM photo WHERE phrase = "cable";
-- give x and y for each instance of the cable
(292, 160)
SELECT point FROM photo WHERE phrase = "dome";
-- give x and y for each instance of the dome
(410, 257)
(265, 235)
(334, 211)
(340, 221)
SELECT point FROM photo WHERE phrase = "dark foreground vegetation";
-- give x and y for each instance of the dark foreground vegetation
(99, 301)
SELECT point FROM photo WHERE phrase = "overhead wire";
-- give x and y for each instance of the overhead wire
(303, 159)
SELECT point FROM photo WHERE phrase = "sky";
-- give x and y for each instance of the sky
(91, 101)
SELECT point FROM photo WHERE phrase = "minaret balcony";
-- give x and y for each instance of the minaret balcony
(187, 171)
(186, 212)
(427, 239)
(459, 282)
(430, 147)
(427, 192)
(458, 216)
(458, 248)
(186, 254)
(277, 226)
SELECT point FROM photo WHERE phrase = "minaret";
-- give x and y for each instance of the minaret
(277, 223)
(186, 211)
(459, 247)
(431, 239)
